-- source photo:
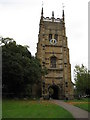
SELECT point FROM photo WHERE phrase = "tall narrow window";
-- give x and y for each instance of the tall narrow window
(50, 36)
(53, 62)
(56, 36)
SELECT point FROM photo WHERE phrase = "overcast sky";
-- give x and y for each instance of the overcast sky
(19, 19)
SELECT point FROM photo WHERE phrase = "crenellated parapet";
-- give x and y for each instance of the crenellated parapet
(54, 19)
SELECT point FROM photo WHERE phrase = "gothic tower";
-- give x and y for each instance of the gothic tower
(53, 53)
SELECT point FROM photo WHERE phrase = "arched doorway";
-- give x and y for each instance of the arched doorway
(54, 92)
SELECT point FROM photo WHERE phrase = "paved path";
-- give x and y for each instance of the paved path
(77, 113)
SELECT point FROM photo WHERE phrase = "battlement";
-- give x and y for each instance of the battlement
(52, 19)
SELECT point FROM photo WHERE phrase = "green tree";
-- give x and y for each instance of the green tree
(82, 81)
(4, 41)
(20, 70)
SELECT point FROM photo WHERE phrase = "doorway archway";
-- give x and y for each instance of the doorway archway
(54, 92)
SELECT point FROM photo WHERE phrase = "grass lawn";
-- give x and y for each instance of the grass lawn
(32, 109)
(83, 106)
(77, 100)
(83, 103)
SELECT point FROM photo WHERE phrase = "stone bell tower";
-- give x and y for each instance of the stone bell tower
(53, 53)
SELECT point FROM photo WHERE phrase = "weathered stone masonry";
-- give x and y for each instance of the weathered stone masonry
(53, 53)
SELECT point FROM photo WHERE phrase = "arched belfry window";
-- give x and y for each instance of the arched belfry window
(50, 36)
(56, 36)
(53, 62)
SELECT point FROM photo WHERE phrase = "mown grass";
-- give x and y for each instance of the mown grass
(32, 109)
(79, 100)
(83, 106)
(83, 103)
